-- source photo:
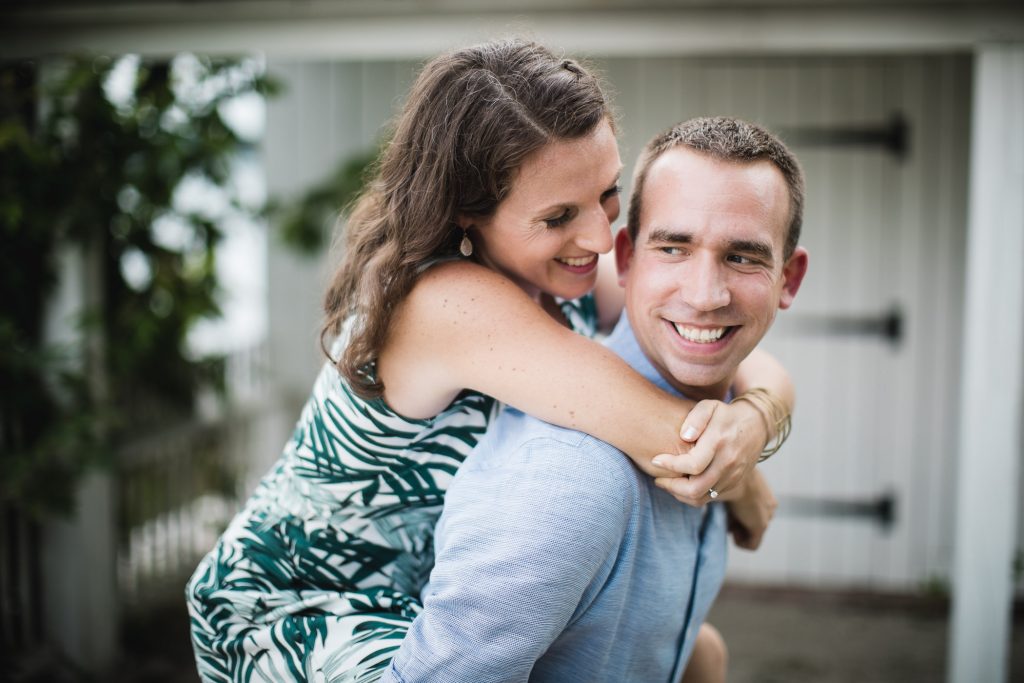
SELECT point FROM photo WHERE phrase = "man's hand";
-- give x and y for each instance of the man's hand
(750, 513)
(729, 440)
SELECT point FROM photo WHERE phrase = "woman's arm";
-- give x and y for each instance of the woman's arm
(465, 326)
(761, 369)
(751, 508)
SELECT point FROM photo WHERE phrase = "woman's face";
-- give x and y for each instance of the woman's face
(547, 233)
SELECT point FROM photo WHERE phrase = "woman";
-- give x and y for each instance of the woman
(319, 576)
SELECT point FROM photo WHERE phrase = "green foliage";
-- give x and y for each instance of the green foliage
(305, 222)
(80, 166)
(935, 586)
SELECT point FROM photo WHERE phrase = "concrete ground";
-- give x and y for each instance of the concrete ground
(777, 636)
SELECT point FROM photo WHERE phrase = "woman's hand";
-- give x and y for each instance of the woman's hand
(727, 441)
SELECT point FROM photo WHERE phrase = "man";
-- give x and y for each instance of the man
(557, 560)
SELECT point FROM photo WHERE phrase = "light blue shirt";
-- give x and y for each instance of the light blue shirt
(558, 560)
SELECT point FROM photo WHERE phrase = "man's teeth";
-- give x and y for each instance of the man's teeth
(577, 262)
(699, 335)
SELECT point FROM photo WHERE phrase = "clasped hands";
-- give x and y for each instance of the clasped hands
(720, 445)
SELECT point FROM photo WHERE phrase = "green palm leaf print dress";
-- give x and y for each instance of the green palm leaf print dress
(319, 576)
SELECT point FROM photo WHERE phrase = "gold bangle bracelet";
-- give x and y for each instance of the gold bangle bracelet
(776, 416)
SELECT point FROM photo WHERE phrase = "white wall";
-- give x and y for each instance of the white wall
(330, 112)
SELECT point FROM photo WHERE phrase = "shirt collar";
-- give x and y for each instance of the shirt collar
(623, 342)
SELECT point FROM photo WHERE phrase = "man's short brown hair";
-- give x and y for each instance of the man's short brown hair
(725, 139)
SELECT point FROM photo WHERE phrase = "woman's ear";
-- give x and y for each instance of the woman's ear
(465, 222)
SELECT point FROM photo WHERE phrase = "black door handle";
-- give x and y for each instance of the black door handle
(891, 136)
(887, 325)
(881, 510)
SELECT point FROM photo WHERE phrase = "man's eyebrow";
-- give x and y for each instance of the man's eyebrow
(762, 250)
(670, 236)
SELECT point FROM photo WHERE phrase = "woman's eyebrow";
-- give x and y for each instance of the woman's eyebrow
(563, 206)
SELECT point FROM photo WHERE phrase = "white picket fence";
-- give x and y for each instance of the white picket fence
(179, 488)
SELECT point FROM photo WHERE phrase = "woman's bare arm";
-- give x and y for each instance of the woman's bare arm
(761, 369)
(465, 326)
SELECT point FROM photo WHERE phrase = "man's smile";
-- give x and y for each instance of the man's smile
(702, 335)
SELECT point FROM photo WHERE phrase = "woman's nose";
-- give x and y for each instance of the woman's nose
(596, 232)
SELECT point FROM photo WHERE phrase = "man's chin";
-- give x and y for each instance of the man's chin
(699, 381)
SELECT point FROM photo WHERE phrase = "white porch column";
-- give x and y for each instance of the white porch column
(991, 398)
(79, 554)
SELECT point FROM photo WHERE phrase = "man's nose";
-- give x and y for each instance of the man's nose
(595, 232)
(704, 286)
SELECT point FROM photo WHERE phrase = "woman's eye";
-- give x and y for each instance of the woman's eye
(558, 220)
(611, 192)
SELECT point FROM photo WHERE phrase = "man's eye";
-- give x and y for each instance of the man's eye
(671, 251)
(559, 220)
(741, 259)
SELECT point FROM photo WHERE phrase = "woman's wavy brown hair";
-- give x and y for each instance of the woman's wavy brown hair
(470, 120)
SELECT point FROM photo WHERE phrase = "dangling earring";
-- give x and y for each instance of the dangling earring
(466, 246)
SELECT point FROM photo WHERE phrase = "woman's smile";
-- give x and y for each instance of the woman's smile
(580, 265)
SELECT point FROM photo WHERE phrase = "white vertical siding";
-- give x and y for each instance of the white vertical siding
(329, 112)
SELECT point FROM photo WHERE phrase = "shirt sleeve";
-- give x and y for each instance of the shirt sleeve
(521, 548)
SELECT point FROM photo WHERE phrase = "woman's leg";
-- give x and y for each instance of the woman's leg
(710, 659)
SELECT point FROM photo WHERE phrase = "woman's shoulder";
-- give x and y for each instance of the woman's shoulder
(443, 272)
(450, 288)
(447, 287)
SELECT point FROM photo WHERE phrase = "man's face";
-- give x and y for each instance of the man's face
(706, 274)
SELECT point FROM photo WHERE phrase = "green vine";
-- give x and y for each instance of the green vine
(306, 222)
(79, 166)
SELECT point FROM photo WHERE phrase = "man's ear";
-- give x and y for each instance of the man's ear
(623, 254)
(792, 275)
